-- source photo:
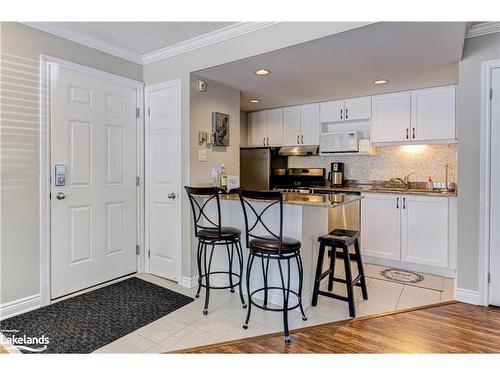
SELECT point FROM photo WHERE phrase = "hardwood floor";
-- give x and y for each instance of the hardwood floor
(450, 328)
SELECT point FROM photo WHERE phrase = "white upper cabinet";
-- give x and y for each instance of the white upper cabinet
(354, 109)
(332, 111)
(291, 125)
(358, 108)
(274, 127)
(309, 124)
(250, 128)
(424, 236)
(433, 113)
(259, 131)
(391, 117)
(417, 116)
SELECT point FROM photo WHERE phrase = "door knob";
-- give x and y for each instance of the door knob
(60, 195)
(171, 196)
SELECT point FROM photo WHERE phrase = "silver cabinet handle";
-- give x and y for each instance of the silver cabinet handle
(346, 113)
(404, 203)
(264, 141)
(397, 202)
(171, 196)
(302, 138)
(60, 195)
(407, 137)
(341, 114)
(413, 133)
(268, 141)
(297, 139)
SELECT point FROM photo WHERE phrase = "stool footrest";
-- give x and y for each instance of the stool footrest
(326, 273)
(333, 295)
(355, 281)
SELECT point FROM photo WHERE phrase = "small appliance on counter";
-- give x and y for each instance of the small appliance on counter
(336, 175)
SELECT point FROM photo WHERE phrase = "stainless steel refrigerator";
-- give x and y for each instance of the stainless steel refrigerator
(255, 168)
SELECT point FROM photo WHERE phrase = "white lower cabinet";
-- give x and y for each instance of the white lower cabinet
(424, 235)
(381, 226)
(409, 228)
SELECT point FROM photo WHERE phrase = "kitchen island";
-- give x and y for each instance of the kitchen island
(305, 218)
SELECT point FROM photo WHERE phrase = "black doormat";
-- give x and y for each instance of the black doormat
(89, 321)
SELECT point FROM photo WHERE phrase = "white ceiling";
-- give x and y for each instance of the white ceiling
(141, 37)
(408, 54)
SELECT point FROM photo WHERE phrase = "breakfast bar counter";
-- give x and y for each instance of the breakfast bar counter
(305, 219)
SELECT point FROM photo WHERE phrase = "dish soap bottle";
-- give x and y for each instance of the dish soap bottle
(430, 185)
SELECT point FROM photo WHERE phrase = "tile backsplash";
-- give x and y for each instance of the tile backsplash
(391, 161)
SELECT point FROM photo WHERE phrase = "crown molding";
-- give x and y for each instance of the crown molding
(483, 29)
(208, 39)
(87, 41)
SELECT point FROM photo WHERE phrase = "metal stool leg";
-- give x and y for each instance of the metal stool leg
(332, 268)
(230, 259)
(239, 253)
(360, 269)
(207, 278)
(348, 279)
(249, 269)
(264, 275)
(285, 301)
(198, 260)
(317, 279)
(301, 281)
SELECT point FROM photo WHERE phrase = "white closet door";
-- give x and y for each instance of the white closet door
(93, 216)
(163, 171)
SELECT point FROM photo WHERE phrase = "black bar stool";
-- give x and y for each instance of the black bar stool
(340, 239)
(267, 247)
(212, 233)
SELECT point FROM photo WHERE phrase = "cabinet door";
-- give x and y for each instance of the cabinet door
(309, 124)
(390, 117)
(251, 128)
(425, 230)
(358, 108)
(259, 130)
(291, 125)
(332, 111)
(275, 127)
(380, 225)
(433, 113)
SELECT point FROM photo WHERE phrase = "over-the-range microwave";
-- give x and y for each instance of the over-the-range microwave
(337, 142)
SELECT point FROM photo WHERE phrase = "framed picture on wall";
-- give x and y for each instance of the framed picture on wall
(220, 129)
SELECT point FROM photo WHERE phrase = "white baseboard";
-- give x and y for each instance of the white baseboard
(189, 282)
(19, 306)
(467, 296)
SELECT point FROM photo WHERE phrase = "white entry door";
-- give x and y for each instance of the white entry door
(93, 212)
(163, 179)
(494, 298)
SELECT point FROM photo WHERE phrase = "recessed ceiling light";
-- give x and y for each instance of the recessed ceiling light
(262, 72)
(380, 82)
(254, 101)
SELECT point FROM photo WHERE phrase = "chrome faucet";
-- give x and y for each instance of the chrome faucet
(405, 182)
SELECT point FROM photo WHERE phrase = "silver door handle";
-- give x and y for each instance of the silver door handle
(397, 202)
(264, 141)
(302, 138)
(60, 195)
(268, 141)
(407, 137)
(297, 139)
(171, 196)
(413, 133)
(341, 114)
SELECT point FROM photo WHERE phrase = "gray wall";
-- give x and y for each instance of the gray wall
(476, 50)
(21, 47)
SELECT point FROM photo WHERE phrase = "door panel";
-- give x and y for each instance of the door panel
(163, 168)
(291, 125)
(309, 124)
(332, 111)
(380, 225)
(274, 119)
(94, 228)
(391, 117)
(425, 230)
(259, 128)
(495, 192)
(358, 108)
(433, 113)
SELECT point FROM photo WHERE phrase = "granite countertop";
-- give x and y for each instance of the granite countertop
(382, 189)
(307, 199)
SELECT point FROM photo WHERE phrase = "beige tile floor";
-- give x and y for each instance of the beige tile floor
(188, 327)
